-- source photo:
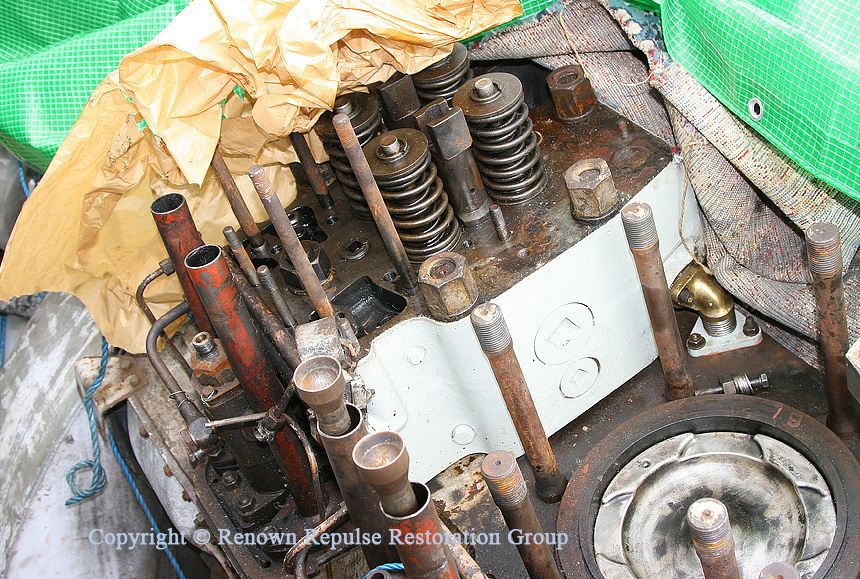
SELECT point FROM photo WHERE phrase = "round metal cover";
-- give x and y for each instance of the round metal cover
(509, 95)
(364, 108)
(411, 156)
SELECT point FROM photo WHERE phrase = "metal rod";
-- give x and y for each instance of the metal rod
(236, 420)
(241, 255)
(499, 222)
(335, 520)
(505, 480)
(291, 242)
(495, 340)
(642, 239)
(823, 247)
(374, 201)
(709, 525)
(274, 331)
(312, 170)
(237, 202)
(180, 236)
(270, 284)
(383, 462)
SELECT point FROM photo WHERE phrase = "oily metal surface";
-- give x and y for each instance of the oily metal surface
(779, 506)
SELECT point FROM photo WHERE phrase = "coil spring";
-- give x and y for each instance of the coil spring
(441, 80)
(414, 197)
(367, 125)
(506, 151)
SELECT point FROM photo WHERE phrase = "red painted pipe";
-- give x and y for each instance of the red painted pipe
(180, 237)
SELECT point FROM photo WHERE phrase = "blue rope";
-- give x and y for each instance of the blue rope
(23, 179)
(386, 567)
(2, 339)
(142, 503)
(99, 479)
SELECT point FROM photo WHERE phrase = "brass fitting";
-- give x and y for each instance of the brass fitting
(447, 285)
(696, 289)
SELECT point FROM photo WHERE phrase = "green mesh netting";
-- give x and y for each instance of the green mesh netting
(55, 53)
(794, 63)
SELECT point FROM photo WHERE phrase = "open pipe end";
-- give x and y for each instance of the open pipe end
(320, 384)
(167, 204)
(382, 459)
(202, 257)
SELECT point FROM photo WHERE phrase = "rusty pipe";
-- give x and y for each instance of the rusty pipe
(382, 461)
(496, 342)
(214, 282)
(312, 170)
(237, 202)
(642, 238)
(283, 341)
(241, 255)
(270, 284)
(375, 202)
(508, 488)
(180, 236)
(711, 531)
(291, 242)
(823, 247)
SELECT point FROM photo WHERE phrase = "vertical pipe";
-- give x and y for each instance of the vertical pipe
(508, 488)
(320, 384)
(374, 201)
(241, 255)
(237, 202)
(180, 236)
(711, 531)
(495, 340)
(823, 247)
(312, 170)
(642, 239)
(270, 284)
(291, 242)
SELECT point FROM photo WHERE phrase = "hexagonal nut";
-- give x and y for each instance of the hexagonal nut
(571, 93)
(447, 285)
(591, 189)
(214, 370)
(320, 263)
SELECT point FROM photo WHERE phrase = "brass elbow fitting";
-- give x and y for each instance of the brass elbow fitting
(696, 289)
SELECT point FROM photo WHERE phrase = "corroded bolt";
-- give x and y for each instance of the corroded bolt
(447, 285)
(750, 326)
(499, 222)
(591, 190)
(245, 503)
(230, 479)
(695, 341)
(779, 571)
(639, 225)
(824, 249)
(711, 531)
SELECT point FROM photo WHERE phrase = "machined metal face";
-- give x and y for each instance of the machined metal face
(395, 153)
(779, 504)
(362, 109)
(489, 95)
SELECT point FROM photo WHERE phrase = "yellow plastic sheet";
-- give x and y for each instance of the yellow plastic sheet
(86, 229)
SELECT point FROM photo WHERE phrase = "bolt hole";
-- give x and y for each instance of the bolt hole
(497, 463)
(377, 575)
(267, 564)
(568, 78)
(589, 175)
(331, 219)
(389, 276)
(467, 243)
(523, 253)
(444, 268)
(355, 246)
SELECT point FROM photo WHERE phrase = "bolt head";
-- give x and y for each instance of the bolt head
(695, 341)
(571, 93)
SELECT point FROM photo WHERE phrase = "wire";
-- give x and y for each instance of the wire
(99, 479)
(386, 567)
(23, 179)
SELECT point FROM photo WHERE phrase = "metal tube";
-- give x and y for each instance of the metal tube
(274, 331)
(237, 202)
(214, 282)
(334, 521)
(382, 461)
(495, 340)
(466, 565)
(270, 284)
(375, 202)
(291, 242)
(312, 170)
(823, 248)
(709, 525)
(241, 255)
(505, 481)
(642, 239)
(201, 435)
(320, 384)
(180, 236)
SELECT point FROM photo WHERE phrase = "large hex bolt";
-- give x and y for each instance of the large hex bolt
(508, 488)
(711, 531)
(447, 285)
(319, 261)
(320, 384)
(571, 93)
(592, 192)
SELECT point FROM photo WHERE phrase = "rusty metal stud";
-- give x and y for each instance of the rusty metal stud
(571, 93)
(711, 531)
(592, 192)
(447, 285)
(312, 170)
(779, 571)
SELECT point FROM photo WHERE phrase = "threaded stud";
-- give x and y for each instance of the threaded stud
(490, 327)
(824, 249)
(261, 181)
(710, 528)
(639, 225)
(504, 478)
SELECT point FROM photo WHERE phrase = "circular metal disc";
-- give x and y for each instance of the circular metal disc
(416, 149)
(366, 107)
(477, 109)
(447, 68)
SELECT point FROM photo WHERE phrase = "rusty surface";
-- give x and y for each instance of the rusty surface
(180, 237)
(237, 203)
(843, 417)
(549, 481)
(673, 357)
(571, 93)
(312, 170)
(447, 285)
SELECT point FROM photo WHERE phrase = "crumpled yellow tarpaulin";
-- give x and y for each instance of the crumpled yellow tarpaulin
(87, 230)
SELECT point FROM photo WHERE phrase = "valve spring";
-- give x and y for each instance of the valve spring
(367, 125)
(413, 193)
(442, 79)
(506, 151)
